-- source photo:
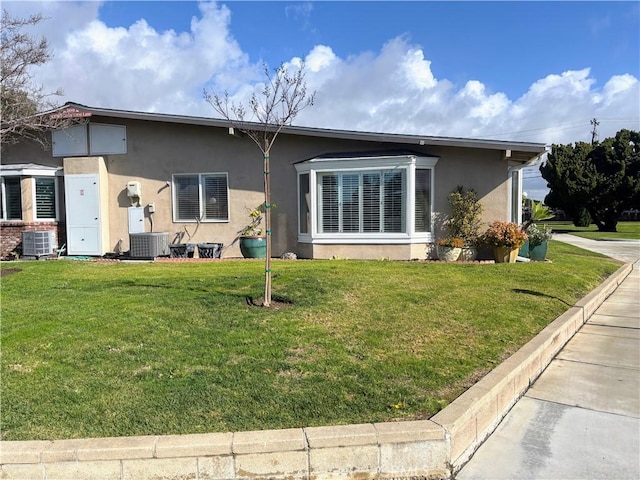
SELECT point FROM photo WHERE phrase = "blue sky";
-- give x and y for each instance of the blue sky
(504, 44)
(530, 71)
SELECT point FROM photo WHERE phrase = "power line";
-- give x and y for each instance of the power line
(565, 126)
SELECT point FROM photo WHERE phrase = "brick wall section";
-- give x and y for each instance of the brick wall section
(11, 234)
(416, 450)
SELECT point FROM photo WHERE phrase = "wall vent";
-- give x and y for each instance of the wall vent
(37, 243)
(148, 245)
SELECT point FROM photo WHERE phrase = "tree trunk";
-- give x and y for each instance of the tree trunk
(267, 225)
(608, 222)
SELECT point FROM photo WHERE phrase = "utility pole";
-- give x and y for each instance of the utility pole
(594, 132)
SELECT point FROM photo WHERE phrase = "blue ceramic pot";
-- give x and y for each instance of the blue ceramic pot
(538, 253)
(524, 250)
(253, 247)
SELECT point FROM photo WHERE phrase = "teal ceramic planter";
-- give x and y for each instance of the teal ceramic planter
(524, 250)
(253, 247)
(538, 253)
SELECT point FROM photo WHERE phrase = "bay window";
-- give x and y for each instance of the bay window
(423, 200)
(361, 202)
(366, 199)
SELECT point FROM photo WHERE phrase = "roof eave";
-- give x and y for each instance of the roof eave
(522, 152)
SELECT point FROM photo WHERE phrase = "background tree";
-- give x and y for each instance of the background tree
(284, 95)
(21, 100)
(617, 164)
(568, 180)
(595, 182)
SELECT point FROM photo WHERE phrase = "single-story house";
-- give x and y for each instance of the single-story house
(337, 193)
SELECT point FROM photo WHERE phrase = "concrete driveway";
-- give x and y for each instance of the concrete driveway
(627, 251)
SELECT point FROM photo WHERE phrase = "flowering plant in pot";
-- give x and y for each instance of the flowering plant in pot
(449, 248)
(538, 212)
(505, 238)
(539, 237)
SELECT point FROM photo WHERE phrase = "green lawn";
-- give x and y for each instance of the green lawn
(626, 231)
(95, 349)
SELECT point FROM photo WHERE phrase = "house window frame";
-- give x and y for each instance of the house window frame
(56, 196)
(515, 193)
(201, 178)
(408, 163)
(343, 223)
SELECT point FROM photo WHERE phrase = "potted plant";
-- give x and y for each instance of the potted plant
(538, 213)
(505, 238)
(464, 220)
(449, 248)
(538, 242)
(253, 243)
(177, 249)
(210, 250)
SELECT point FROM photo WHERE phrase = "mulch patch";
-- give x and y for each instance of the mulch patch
(8, 271)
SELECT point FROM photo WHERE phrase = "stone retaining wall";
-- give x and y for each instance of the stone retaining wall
(428, 449)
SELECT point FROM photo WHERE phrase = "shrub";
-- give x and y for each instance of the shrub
(464, 221)
(505, 234)
(455, 242)
(582, 218)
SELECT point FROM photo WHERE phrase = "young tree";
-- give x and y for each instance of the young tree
(601, 179)
(20, 99)
(284, 95)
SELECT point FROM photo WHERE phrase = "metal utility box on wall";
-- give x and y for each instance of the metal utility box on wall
(148, 245)
(136, 219)
(37, 243)
(134, 189)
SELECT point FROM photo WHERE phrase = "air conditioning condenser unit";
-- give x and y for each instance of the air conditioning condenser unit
(148, 245)
(38, 243)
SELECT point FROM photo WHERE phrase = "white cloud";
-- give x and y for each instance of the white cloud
(391, 90)
(418, 70)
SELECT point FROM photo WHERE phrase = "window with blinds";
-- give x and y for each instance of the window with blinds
(201, 197)
(362, 202)
(45, 198)
(423, 200)
(11, 198)
(303, 203)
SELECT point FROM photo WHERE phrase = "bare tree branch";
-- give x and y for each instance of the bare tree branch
(22, 102)
(284, 95)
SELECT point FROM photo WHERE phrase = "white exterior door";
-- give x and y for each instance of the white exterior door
(83, 214)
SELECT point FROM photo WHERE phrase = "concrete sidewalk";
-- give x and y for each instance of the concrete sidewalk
(581, 418)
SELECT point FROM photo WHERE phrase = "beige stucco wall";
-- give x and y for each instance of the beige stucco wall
(156, 151)
(26, 191)
(363, 252)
